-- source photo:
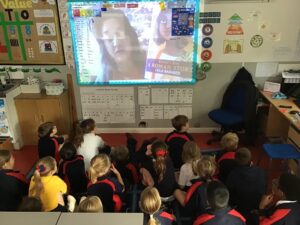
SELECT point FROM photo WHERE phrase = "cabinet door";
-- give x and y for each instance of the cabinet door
(49, 110)
(28, 119)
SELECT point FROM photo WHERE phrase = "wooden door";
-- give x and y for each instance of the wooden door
(49, 110)
(28, 119)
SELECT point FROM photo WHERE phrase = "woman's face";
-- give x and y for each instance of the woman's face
(165, 26)
(116, 40)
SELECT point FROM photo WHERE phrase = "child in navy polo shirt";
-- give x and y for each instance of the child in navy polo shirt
(226, 162)
(176, 139)
(286, 195)
(72, 170)
(13, 185)
(150, 204)
(219, 213)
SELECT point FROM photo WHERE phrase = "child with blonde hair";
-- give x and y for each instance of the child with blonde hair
(13, 185)
(46, 186)
(190, 156)
(226, 162)
(103, 185)
(91, 204)
(194, 201)
(150, 204)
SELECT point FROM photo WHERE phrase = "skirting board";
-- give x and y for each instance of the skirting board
(152, 130)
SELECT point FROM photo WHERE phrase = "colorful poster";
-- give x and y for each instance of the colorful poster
(183, 21)
(235, 27)
(233, 46)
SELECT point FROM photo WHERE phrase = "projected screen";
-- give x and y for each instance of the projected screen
(134, 42)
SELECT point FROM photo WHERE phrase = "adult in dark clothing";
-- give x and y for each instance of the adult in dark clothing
(13, 185)
(286, 211)
(247, 184)
(176, 139)
(219, 213)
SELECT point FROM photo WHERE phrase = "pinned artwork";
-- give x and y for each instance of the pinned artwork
(12, 30)
(235, 27)
(182, 21)
(256, 41)
(205, 67)
(206, 55)
(48, 46)
(46, 29)
(207, 29)
(233, 46)
(207, 42)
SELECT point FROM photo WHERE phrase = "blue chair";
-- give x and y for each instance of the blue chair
(238, 110)
(281, 151)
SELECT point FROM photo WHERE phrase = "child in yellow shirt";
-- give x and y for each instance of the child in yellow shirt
(48, 187)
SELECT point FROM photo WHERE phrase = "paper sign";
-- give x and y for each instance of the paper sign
(43, 13)
(45, 29)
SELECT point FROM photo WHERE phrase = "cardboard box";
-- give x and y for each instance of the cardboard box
(271, 86)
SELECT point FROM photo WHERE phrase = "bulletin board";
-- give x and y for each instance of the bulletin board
(30, 33)
(250, 32)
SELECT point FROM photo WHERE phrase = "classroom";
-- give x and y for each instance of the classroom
(150, 112)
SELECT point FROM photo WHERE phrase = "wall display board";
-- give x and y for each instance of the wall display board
(134, 42)
(251, 32)
(30, 32)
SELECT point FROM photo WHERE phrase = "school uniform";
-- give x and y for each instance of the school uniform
(175, 140)
(226, 164)
(73, 173)
(247, 185)
(106, 188)
(168, 184)
(284, 213)
(13, 187)
(186, 175)
(163, 217)
(49, 146)
(128, 173)
(195, 202)
(224, 216)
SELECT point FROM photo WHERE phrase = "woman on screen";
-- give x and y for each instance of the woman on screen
(121, 57)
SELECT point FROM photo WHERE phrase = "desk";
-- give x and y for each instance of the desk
(101, 218)
(279, 121)
(30, 218)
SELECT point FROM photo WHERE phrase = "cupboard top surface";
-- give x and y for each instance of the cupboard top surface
(41, 95)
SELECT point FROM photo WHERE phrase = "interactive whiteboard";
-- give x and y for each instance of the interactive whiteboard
(130, 42)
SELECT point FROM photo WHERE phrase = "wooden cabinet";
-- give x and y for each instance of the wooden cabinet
(35, 109)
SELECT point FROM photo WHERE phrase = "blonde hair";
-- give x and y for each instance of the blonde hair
(100, 165)
(229, 141)
(159, 151)
(191, 154)
(5, 156)
(206, 167)
(43, 168)
(150, 203)
(90, 204)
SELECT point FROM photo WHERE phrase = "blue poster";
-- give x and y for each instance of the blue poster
(183, 21)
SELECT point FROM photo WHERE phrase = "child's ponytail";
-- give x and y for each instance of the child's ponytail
(152, 221)
(43, 168)
(159, 151)
(85, 127)
(150, 203)
(38, 186)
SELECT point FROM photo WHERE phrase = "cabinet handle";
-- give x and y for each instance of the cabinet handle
(42, 118)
